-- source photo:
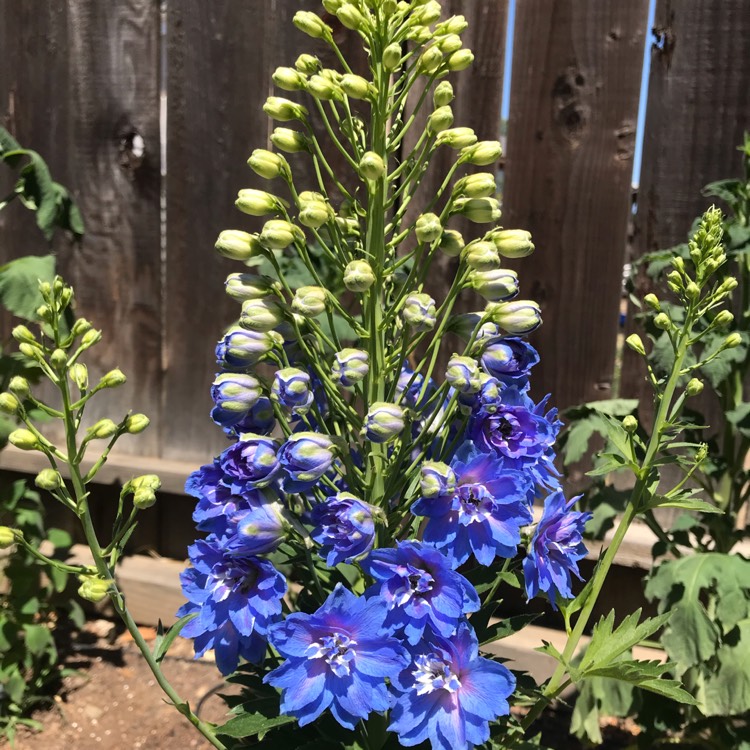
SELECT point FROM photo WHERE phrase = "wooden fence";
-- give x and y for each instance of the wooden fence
(81, 79)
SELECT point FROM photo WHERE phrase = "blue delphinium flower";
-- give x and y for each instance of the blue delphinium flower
(235, 599)
(410, 386)
(337, 658)
(449, 694)
(234, 394)
(510, 359)
(305, 457)
(260, 420)
(250, 463)
(292, 388)
(420, 589)
(240, 348)
(216, 501)
(483, 514)
(516, 429)
(344, 527)
(556, 548)
(258, 527)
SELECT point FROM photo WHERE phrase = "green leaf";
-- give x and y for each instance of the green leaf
(507, 627)
(740, 418)
(726, 190)
(600, 697)
(728, 360)
(726, 689)
(59, 538)
(19, 284)
(163, 643)
(257, 723)
(685, 500)
(646, 675)
(38, 639)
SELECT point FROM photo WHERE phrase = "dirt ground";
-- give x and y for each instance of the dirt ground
(115, 703)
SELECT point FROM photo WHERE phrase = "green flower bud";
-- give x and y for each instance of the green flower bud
(451, 243)
(728, 285)
(310, 301)
(450, 44)
(478, 210)
(257, 202)
(355, 86)
(428, 228)
(9, 403)
(284, 110)
(79, 376)
(348, 225)
(19, 386)
(443, 94)
(372, 166)
(457, 138)
(513, 243)
(44, 312)
(652, 301)
(267, 164)
(288, 79)
(723, 319)
(323, 88)
(392, 56)
(460, 60)
(238, 245)
(80, 327)
(136, 423)
(630, 424)
(430, 61)
(351, 17)
(7, 537)
(289, 140)
(144, 498)
(307, 64)
(58, 359)
(480, 255)
(66, 296)
(244, 286)
(145, 481)
(350, 367)
(516, 317)
(23, 335)
(383, 422)
(436, 478)
(261, 314)
(93, 589)
(102, 430)
(441, 119)
(733, 340)
(452, 25)
(636, 344)
(358, 276)
(694, 387)
(332, 5)
(692, 290)
(48, 479)
(702, 453)
(674, 281)
(480, 185)
(463, 374)
(24, 439)
(495, 284)
(482, 154)
(311, 24)
(90, 338)
(112, 379)
(32, 351)
(315, 214)
(428, 13)
(278, 234)
(663, 321)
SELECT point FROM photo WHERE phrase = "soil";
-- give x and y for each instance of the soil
(114, 703)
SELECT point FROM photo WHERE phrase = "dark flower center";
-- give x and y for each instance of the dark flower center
(504, 427)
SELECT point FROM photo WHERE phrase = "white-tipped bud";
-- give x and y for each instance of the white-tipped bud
(420, 311)
(517, 317)
(244, 286)
(463, 374)
(496, 284)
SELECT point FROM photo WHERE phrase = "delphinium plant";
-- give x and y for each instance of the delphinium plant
(700, 575)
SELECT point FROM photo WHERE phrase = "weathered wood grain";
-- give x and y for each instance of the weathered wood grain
(80, 84)
(571, 137)
(698, 110)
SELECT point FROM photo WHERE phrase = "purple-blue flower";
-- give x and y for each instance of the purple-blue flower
(235, 599)
(234, 394)
(292, 389)
(216, 502)
(305, 457)
(483, 515)
(258, 527)
(337, 658)
(556, 548)
(420, 589)
(510, 360)
(449, 694)
(240, 348)
(260, 420)
(344, 528)
(250, 463)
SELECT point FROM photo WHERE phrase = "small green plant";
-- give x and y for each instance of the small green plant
(34, 602)
(699, 577)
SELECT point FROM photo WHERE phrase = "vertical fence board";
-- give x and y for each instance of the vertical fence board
(698, 110)
(571, 137)
(80, 85)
